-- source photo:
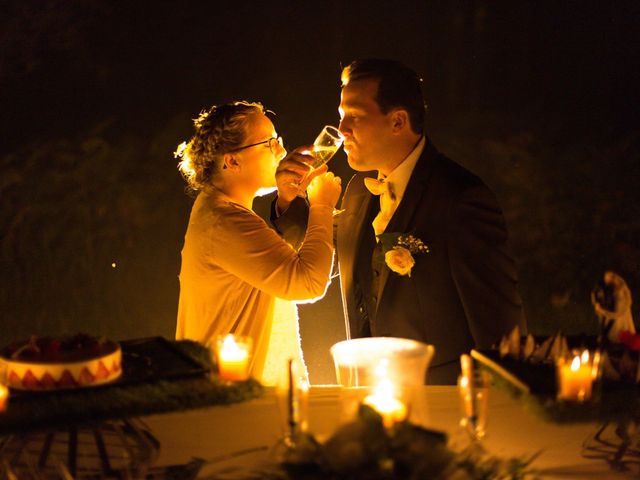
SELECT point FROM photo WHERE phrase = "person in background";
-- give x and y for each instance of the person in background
(234, 267)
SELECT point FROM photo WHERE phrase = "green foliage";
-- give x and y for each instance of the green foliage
(58, 409)
(364, 449)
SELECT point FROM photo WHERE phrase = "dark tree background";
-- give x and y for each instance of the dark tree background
(539, 98)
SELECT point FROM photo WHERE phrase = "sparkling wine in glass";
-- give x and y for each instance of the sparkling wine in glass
(326, 145)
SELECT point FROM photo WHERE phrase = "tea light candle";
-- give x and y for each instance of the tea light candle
(233, 358)
(575, 378)
(383, 401)
(4, 397)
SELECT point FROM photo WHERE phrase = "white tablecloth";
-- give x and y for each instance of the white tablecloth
(241, 435)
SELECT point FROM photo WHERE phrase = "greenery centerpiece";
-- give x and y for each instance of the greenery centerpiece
(142, 390)
(365, 449)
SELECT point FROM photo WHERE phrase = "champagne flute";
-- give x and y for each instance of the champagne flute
(325, 146)
(474, 403)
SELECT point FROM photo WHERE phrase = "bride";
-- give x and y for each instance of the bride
(234, 267)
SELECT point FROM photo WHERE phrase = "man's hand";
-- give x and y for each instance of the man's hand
(292, 175)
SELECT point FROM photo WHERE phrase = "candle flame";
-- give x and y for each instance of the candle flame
(384, 401)
(575, 364)
(231, 350)
(585, 357)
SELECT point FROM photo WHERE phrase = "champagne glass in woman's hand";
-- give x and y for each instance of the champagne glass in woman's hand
(325, 146)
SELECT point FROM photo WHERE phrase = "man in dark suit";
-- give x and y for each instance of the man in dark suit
(462, 293)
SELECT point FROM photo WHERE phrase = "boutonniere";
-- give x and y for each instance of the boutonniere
(398, 250)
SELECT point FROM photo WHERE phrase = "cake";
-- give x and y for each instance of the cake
(49, 363)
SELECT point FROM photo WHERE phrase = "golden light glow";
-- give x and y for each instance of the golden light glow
(584, 358)
(575, 378)
(384, 401)
(233, 358)
(185, 165)
(575, 364)
(4, 397)
(180, 150)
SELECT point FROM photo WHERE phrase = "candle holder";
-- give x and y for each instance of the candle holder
(382, 372)
(575, 375)
(296, 447)
(292, 393)
(232, 354)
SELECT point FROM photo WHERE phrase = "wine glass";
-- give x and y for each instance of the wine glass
(296, 445)
(325, 146)
(474, 403)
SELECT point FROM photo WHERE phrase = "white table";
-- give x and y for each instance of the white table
(241, 434)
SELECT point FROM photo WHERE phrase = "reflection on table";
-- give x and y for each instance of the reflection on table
(232, 439)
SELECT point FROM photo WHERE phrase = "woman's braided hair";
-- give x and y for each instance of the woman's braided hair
(218, 130)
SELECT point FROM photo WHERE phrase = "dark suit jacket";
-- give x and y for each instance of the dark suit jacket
(462, 294)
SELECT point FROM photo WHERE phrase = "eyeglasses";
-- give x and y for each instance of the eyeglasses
(274, 144)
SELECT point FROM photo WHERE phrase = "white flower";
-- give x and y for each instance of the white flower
(399, 260)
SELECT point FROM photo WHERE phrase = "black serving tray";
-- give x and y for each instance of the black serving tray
(156, 358)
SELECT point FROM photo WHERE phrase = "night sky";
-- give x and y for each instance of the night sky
(539, 98)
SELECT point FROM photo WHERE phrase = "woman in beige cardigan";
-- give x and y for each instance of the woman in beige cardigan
(234, 267)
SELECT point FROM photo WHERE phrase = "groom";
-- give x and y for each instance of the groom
(462, 292)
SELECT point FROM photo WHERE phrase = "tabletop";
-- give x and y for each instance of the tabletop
(232, 438)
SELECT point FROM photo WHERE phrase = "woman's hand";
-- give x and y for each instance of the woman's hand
(324, 188)
(291, 175)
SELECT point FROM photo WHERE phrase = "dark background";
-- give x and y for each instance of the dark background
(538, 98)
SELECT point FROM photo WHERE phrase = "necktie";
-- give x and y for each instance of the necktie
(387, 202)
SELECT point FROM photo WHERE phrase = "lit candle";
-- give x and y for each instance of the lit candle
(383, 401)
(4, 397)
(575, 378)
(233, 358)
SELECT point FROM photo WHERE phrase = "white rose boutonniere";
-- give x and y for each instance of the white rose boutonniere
(399, 260)
(398, 250)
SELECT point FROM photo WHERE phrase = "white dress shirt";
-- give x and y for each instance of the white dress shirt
(397, 182)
